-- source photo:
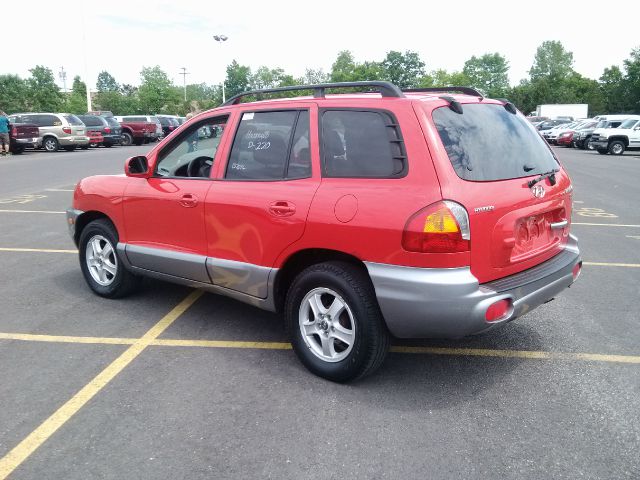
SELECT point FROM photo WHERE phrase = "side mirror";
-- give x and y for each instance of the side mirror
(137, 167)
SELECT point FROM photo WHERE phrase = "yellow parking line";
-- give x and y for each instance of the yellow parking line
(27, 337)
(29, 211)
(40, 435)
(37, 250)
(605, 225)
(222, 344)
(606, 264)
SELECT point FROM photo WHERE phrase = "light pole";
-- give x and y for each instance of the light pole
(184, 74)
(221, 39)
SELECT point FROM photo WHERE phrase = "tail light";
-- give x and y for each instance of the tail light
(498, 310)
(442, 227)
(171, 127)
(67, 130)
(14, 132)
(107, 130)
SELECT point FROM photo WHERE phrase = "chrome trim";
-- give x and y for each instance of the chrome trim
(243, 277)
(559, 225)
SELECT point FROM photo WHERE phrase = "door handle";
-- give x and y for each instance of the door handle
(282, 209)
(189, 200)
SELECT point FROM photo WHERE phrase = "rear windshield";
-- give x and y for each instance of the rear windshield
(73, 120)
(112, 121)
(488, 143)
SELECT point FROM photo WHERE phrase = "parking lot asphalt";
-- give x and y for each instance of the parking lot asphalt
(165, 385)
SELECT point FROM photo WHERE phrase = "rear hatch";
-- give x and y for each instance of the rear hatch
(114, 126)
(487, 160)
(77, 126)
(27, 131)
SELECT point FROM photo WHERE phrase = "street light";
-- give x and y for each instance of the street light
(221, 39)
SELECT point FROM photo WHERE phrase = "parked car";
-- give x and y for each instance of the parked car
(551, 134)
(548, 124)
(357, 216)
(157, 133)
(95, 138)
(616, 140)
(582, 135)
(101, 113)
(23, 134)
(136, 130)
(58, 130)
(565, 136)
(108, 127)
(169, 123)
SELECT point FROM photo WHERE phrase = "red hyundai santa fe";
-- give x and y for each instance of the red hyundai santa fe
(425, 213)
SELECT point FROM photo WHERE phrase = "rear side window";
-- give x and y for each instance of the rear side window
(73, 120)
(487, 143)
(262, 148)
(362, 144)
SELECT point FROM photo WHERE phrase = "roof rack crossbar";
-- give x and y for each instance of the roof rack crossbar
(465, 90)
(386, 89)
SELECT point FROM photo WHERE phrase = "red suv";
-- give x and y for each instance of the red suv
(416, 213)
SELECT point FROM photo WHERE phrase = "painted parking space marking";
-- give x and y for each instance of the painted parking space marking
(605, 225)
(36, 250)
(31, 211)
(635, 237)
(40, 435)
(258, 345)
(607, 264)
(593, 212)
(58, 190)
(21, 199)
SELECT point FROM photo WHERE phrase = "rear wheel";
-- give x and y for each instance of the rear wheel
(138, 141)
(18, 149)
(102, 269)
(50, 144)
(127, 139)
(616, 147)
(336, 327)
(84, 147)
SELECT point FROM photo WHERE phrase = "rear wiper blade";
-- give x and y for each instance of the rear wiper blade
(551, 175)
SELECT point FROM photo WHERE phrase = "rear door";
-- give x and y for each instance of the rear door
(488, 160)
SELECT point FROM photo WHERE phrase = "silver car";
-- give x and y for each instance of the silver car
(58, 130)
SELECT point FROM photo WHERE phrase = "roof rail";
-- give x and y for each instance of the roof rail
(386, 89)
(465, 90)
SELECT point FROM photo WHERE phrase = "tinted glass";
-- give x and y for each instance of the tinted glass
(261, 146)
(628, 123)
(91, 120)
(112, 122)
(488, 143)
(164, 121)
(360, 144)
(134, 119)
(154, 119)
(50, 121)
(300, 157)
(73, 120)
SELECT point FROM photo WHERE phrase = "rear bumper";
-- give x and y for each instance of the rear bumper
(112, 139)
(77, 140)
(450, 302)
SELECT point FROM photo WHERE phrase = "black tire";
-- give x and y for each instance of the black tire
(50, 144)
(17, 150)
(70, 148)
(127, 139)
(603, 151)
(138, 141)
(617, 147)
(114, 286)
(370, 336)
(108, 145)
(84, 147)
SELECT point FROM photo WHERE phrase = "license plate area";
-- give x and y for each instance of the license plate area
(533, 234)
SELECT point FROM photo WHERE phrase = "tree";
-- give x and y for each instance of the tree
(13, 94)
(343, 68)
(632, 81)
(442, 78)
(77, 100)
(238, 79)
(312, 77)
(612, 86)
(43, 92)
(265, 77)
(488, 73)
(106, 82)
(404, 70)
(552, 61)
(157, 94)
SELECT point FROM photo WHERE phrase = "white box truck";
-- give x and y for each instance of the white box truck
(573, 110)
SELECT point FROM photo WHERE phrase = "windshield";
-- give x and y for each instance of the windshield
(488, 143)
(628, 123)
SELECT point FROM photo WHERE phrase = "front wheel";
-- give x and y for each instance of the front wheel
(127, 139)
(603, 151)
(336, 327)
(616, 147)
(102, 269)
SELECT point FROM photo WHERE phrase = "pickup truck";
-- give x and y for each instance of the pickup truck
(23, 135)
(136, 132)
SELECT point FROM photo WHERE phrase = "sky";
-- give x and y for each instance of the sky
(124, 36)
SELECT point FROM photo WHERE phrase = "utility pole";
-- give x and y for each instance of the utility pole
(184, 74)
(63, 76)
(221, 39)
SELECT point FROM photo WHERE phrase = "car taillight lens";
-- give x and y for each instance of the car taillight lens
(171, 127)
(498, 310)
(14, 132)
(107, 130)
(66, 130)
(442, 227)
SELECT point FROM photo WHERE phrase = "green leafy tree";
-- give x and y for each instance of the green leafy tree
(265, 77)
(106, 82)
(442, 78)
(13, 94)
(77, 100)
(403, 69)
(312, 77)
(552, 62)
(157, 94)
(44, 94)
(343, 68)
(489, 73)
(631, 84)
(129, 105)
(238, 79)
(612, 86)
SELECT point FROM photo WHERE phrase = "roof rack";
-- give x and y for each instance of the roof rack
(386, 89)
(465, 90)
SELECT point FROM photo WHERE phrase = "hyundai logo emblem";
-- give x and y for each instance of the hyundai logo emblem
(538, 191)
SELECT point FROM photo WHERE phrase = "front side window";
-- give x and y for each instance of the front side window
(271, 146)
(628, 123)
(192, 153)
(362, 144)
(487, 143)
